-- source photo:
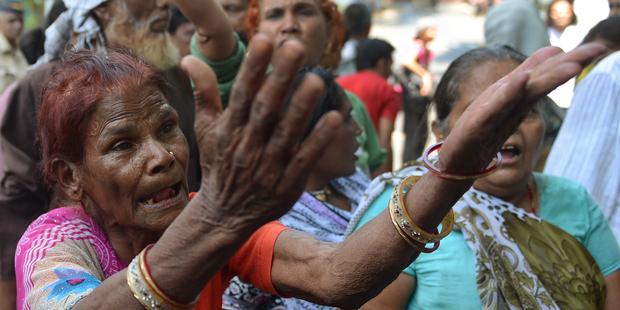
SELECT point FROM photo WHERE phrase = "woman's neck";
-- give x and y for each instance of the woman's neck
(518, 195)
(128, 242)
(318, 182)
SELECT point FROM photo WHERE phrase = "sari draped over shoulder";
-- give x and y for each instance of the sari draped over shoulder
(310, 215)
(78, 257)
(522, 261)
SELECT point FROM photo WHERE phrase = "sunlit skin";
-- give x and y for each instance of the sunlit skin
(127, 161)
(303, 20)
(510, 181)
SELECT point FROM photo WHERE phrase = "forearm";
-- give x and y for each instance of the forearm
(386, 127)
(351, 273)
(612, 298)
(190, 252)
(215, 34)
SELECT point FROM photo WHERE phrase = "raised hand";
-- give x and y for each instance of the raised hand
(254, 166)
(495, 114)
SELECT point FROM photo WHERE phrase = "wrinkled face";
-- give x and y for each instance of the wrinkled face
(182, 38)
(236, 11)
(339, 157)
(140, 25)
(296, 19)
(522, 149)
(11, 25)
(134, 163)
(561, 14)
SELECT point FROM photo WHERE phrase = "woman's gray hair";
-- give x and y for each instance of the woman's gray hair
(447, 92)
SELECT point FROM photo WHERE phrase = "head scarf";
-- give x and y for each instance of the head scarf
(77, 19)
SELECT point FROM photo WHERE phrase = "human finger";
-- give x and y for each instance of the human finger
(296, 173)
(560, 68)
(249, 79)
(267, 105)
(537, 58)
(206, 93)
(290, 129)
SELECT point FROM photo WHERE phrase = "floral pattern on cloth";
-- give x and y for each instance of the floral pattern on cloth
(320, 220)
(522, 262)
(63, 256)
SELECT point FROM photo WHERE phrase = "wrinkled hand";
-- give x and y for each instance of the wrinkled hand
(254, 167)
(497, 112)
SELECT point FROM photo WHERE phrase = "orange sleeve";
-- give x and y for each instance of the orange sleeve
(252, 263)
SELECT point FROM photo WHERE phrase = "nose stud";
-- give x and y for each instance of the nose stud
(171, 153)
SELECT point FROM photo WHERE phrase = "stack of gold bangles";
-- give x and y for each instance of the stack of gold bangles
(146, 290)
(412, 233)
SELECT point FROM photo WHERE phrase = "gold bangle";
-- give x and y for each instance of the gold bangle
(140, 289)
(413, 243)
(146, 273)
(447, 223)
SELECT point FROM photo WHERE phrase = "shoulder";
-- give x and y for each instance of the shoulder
(555, 189)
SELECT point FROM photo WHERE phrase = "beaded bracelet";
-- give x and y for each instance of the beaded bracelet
(144, 288)
(457, 176)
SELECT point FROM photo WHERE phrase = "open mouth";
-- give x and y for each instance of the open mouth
(510, 152)
(163, 198)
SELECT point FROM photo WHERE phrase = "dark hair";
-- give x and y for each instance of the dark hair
(31, 44)
(72, 94)
(549, 21)
(331, 99)
(608, 29)
(447, 92)
(357, 19)
(58, 7)
(177, 19)
(370, 51)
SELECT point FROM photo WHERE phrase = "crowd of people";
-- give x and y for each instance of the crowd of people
(233, 154)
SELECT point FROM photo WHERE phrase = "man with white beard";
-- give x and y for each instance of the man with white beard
(137, 25)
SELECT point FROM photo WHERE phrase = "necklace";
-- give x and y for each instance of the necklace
(321, 194)
(531, 197)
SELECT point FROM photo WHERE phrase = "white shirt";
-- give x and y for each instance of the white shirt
(587, 148)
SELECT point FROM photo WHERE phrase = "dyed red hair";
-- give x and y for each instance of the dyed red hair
(73, 93)
(331, 55)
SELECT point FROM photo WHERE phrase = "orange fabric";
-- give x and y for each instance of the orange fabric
(252, 263)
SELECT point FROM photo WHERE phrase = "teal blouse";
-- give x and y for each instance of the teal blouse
(446, 279)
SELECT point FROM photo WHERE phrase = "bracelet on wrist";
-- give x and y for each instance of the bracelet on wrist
(497, 161)
(145, 289)
(405, 226)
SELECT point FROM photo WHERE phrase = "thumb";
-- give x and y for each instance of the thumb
(206, 93)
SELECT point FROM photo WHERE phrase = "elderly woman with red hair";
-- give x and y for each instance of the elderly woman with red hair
(129, 235)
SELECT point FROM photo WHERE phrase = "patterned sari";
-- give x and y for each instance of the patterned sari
(78, 257)
(319, 219)
(522, 262)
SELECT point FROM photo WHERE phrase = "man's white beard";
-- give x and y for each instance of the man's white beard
(154, 48)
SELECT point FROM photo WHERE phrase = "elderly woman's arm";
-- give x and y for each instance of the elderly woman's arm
(251, 175)
(350, 273)
(215, 34)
